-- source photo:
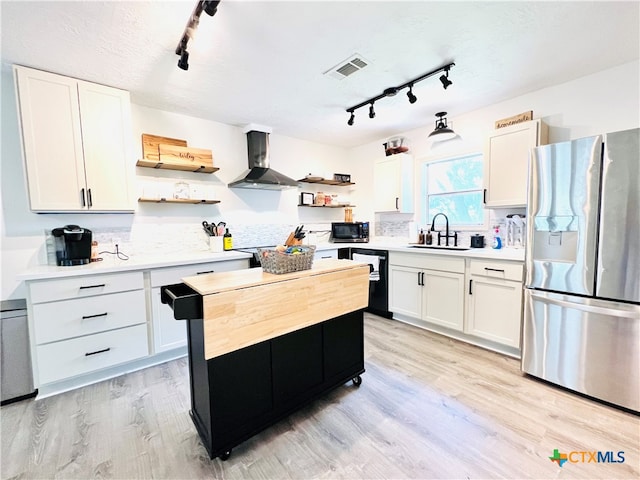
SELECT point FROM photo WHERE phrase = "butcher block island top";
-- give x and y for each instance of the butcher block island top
(245, 307)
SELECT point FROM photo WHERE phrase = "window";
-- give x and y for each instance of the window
(454, 187)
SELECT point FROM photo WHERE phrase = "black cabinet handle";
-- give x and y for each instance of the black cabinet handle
(493, 270)
(397, 207)
(93, 286)
(84, 317)
(89, 197)
(88, 354)
(84, 204)
(202, 273)
(484, 196)
(419, 273)
(329, 256)
(470, 283)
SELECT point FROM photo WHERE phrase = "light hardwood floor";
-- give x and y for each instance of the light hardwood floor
(428, 407)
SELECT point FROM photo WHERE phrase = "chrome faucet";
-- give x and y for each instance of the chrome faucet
(446, 235)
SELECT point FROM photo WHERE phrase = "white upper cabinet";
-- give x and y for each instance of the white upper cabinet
(393, 184)
(506, 162)
(77, 143)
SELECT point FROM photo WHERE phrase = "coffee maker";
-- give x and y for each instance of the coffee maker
(73, 245)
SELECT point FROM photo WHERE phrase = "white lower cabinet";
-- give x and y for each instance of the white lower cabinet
(433, 293)
(479, 301)
(169, 333)
(87, 328)
(87, 323)
(495, 301)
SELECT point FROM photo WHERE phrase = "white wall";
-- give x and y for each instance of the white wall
(603, 102)
(22, 239)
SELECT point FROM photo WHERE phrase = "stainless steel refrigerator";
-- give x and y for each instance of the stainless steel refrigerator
(582, 296)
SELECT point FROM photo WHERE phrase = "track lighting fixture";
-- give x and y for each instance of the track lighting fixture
(392, 91)
(412, 98)
(183, 63)
(210, 8)
(442, 131)
(445, 79)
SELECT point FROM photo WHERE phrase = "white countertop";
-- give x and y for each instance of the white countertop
(146, 262)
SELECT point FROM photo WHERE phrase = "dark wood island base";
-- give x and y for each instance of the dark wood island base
(257, 353)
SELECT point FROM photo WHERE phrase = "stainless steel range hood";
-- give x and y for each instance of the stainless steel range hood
(259, 175)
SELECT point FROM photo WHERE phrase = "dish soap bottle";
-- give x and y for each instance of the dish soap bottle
(428, 238)
(227, 240)
(421, 237)
(497, 241)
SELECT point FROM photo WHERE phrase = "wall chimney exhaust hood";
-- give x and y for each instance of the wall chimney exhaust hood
(260, 175)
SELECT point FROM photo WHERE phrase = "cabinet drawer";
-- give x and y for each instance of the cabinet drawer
(503, 270)
(84, 286)
(170, 275)
(73, 318)
(442, 263)
(326, 254)
(60, 360)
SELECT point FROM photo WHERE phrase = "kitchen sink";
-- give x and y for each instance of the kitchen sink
(440, 247)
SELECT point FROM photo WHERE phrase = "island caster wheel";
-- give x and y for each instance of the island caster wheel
(357, 381)
(225, 455)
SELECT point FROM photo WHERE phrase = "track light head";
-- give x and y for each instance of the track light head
(412, 98)
(183, 63)
(445, 79)
(372, 112)
(210, 7)
(351, 119)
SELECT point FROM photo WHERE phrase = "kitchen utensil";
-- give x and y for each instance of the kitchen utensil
(209, 228)
(220, 228)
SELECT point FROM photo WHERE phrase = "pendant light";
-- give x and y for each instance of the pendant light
(442, 131)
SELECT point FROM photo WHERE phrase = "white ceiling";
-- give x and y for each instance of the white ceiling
(263, 61)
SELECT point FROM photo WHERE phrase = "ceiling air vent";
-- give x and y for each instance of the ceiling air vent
(347, 67)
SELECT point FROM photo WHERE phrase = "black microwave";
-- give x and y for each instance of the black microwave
(350, 232)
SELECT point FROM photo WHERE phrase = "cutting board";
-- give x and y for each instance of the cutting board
(151, 145)
(186, 158)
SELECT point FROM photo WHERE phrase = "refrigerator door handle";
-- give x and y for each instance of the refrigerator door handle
(586, 308)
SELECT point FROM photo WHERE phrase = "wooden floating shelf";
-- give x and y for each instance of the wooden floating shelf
(178, 200)
(327, 206)
(326, 182)
(170, 166)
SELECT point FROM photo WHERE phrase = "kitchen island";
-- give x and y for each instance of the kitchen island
(263, 345)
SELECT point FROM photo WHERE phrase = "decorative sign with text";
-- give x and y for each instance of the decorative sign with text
(520, 118)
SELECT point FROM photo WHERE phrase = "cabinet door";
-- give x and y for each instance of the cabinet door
(405, 290)
(444, 299)
(495, 310)
(52, 140)
(506, 164)
(393, 184)
(168, 333)
(296, 364)
(107, 140)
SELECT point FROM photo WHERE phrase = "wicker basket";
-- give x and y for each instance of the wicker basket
(279, 262)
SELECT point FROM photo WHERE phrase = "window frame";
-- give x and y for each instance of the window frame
(422, 207)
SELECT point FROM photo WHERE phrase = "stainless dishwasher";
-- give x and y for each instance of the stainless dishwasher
(15, 361)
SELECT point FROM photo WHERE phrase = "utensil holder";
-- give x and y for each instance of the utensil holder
(216, 244)
(291, 240)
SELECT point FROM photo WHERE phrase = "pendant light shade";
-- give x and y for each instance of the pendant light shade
(442, 131)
